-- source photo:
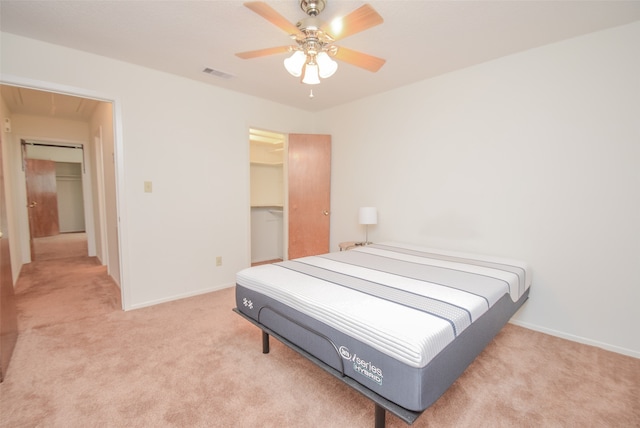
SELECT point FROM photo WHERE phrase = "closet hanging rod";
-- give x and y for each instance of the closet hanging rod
(62, 146)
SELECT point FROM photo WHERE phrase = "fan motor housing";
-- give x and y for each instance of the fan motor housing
(312, 7)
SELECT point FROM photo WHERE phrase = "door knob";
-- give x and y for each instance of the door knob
(325, 212)
(33, 204)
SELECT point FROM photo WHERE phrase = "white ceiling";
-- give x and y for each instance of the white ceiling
(39, 103)
(419, 39)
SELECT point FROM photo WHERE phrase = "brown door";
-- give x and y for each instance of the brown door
(309, 181)
(42, 198)
(8, 321)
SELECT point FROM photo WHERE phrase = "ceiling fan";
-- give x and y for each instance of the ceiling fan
(314, 48)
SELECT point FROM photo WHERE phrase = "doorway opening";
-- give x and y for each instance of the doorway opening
(54, 115)
(267, 169)
(55, 201)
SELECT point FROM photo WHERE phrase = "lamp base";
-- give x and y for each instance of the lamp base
(366, 236)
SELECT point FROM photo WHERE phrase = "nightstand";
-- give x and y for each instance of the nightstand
(344, 246)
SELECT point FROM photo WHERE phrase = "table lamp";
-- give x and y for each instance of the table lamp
(367, 216)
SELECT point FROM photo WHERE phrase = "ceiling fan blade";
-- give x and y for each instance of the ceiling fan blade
(359, 59)
(263, 52)
(359, 20)
(270, 14)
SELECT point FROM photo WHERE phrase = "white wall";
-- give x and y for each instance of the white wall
(533, 156)
(191, 141)
(11, 196)
(103, 188)
(9, 232)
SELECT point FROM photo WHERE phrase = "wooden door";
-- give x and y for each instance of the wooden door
(42, 198)
(8, 318)
(309, 189)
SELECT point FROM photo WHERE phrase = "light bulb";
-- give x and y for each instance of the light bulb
(295, 62)
(326, 65)
(310, 76)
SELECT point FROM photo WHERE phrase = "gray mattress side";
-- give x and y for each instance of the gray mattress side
(409, 387)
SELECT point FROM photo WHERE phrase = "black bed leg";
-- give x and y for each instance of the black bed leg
(265, 343)
(380, 416)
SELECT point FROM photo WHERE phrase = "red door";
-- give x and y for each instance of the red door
(42, 199)
(309, 189)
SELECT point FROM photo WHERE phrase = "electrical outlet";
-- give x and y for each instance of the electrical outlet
(148, 187)
(219, 261)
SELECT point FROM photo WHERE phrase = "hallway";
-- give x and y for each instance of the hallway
(61, 290)
(60, 246)
(63, 284)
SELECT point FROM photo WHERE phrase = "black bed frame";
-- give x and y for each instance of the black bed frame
(381, 404)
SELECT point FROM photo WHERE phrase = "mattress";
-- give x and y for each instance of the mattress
(402, 320)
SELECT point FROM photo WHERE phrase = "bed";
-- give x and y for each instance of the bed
(397, 322)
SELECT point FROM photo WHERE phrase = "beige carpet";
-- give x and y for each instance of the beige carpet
(82, 362)
(60, 246)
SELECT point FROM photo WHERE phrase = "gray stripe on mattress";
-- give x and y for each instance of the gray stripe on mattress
(459, 318)
(469, 282)
(514, 269)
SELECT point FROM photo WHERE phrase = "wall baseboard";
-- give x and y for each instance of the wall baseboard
(579, 339)
(178, 297)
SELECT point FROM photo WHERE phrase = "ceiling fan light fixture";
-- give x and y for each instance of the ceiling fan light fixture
(295, 62)
(315, 54)
(310, 76)
(327, 67)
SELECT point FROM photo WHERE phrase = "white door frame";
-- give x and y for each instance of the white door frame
(118, 161)
(102, 252)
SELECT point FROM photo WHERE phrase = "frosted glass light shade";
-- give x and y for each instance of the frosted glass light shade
(368, 215)
(311, 74)
(326, 65)
(295, 62)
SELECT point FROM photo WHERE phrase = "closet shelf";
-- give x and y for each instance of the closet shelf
(267, 163)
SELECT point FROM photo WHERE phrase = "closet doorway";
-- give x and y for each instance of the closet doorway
(290, 195)
(267, 169)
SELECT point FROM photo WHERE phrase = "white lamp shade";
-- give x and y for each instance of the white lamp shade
(368, 215)
(294, 63)
(310, 76)
(326, 65)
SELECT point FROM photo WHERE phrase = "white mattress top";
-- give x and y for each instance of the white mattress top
(408, 302)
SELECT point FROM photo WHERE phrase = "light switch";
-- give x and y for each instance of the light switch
(148, 187)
